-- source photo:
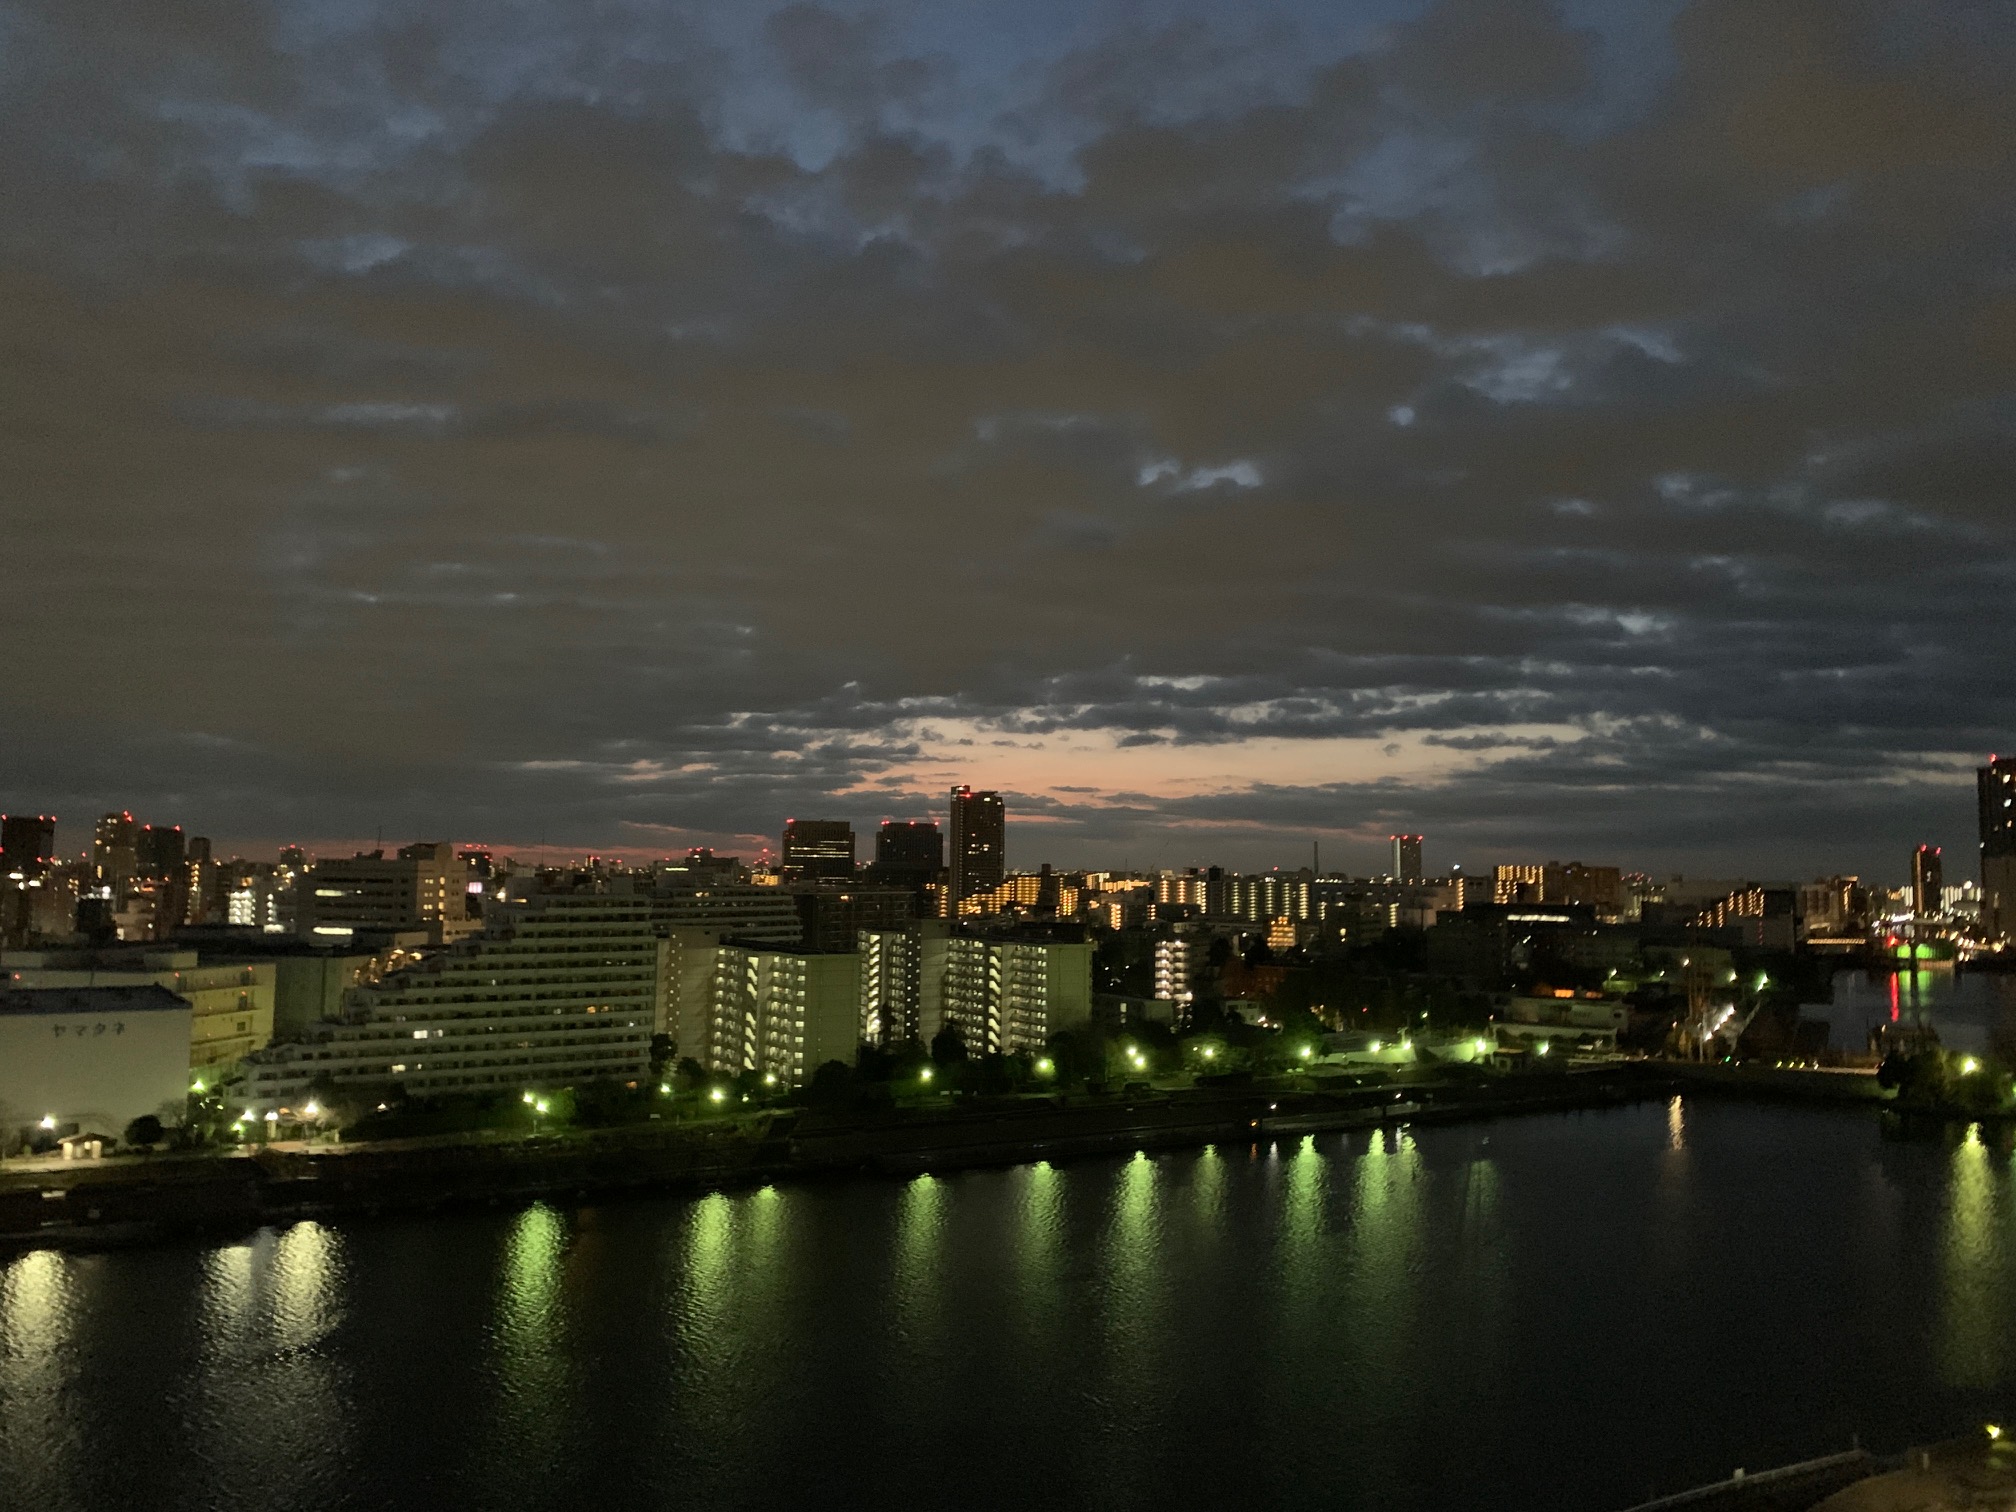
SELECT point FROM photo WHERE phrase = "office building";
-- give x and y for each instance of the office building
(423, 888)
(1996, 787)
(777, 1013)
(1928, 881)
(231, 1006)
(562, 989)
(90, 1060)
(1407, 858)
(818, 850)
(908, 852)
(27, 843)
(115, 850)
(978, 834)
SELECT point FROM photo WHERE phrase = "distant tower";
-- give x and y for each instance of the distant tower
(1996, 784)
(979, 833)
(115, 850)
(1928, 881)
(1407, 857)
(162, 851)
(818, 850)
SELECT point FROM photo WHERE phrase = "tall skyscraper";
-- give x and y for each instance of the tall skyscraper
(1928, 880)
(979, 843)
(115, 850)
(818, 849)
(1407, 858)
(27, 842)
(1996, 785)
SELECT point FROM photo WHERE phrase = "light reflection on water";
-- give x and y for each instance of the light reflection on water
(1973, 1011)
(1296, 1324)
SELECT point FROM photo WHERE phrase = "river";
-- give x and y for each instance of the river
(1973, 1011)
(1558, 1312)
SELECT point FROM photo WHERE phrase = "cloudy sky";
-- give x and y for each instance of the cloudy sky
(1586, 431)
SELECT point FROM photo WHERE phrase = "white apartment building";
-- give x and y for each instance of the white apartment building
(563, 989)
(231, 1007)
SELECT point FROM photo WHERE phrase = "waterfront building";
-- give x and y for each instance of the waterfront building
(1928, 882)
(1004, 994)
(560, 989)
(978, 832)
(1995, 786)
(424, 887)
(780, 1013)
(818, 850)
(892, 980)
(89, 1060)
(231, 1005)
(1406, 858)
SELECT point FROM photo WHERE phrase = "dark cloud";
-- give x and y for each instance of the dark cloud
(635, 422)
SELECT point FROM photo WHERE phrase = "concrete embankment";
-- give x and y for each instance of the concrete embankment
(141, 1199)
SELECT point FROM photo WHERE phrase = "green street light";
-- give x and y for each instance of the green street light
(541, 1106)
(1305, 1052)
(528, 1099)
(718, 1095)
(1969, 1066)
(1045, 1066)
(925, 1074)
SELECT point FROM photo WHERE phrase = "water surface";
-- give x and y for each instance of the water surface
(1554, 1312)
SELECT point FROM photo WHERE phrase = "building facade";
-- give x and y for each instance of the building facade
(230, 1005)
(979, 852)
(422, 888)
(818, 850)
(1996, 787)
(565, 989)
(90, 1059)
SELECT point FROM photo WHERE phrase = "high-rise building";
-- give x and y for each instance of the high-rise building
(818, 850)
(424, 887)
(161, 851)
(1996, 786)
(115, 850)
(979, 844)
(1928, 881)
(1407, 858)
(908, 852)
(27, 842)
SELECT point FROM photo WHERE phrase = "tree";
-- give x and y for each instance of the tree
(832, 1085)
(144, 1132)
(948, 1047)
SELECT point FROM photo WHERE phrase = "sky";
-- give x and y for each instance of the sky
(1566, 431)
